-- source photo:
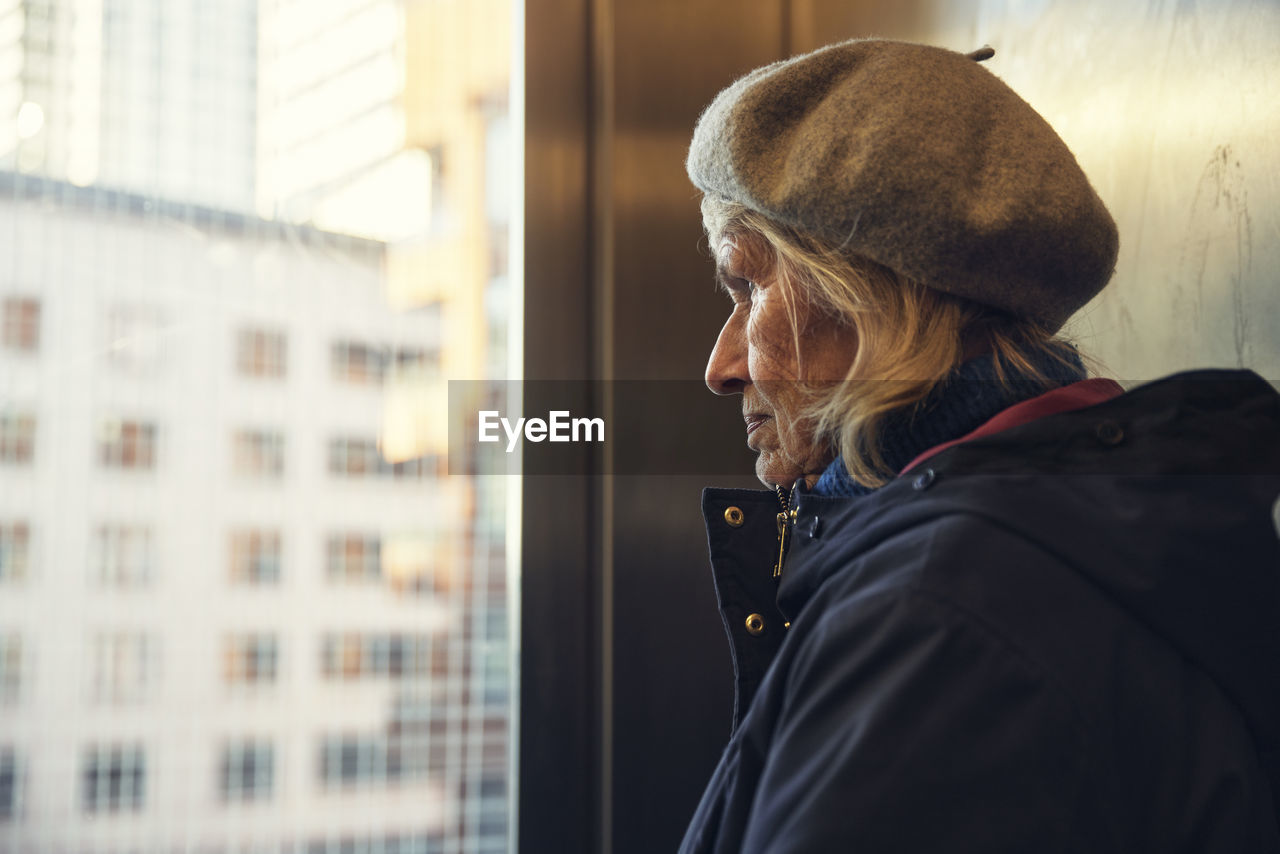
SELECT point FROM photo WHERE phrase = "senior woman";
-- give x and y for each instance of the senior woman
(993, 605)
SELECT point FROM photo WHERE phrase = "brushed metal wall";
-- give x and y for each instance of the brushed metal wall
(672, 673)
(1171, 107)
(626, 676)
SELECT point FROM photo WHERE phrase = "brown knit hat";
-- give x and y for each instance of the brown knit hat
(917, 158)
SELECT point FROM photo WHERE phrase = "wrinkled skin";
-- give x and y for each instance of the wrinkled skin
(756, 355)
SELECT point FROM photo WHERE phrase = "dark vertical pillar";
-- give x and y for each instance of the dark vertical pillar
(559, 745)
(672, 674)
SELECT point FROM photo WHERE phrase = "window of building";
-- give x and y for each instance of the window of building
(17, 438)
(356, 656)
(258, 453)
(15, 551)
(495, 626)
(122, 666)
(362, 363)
(250, 659)
(497, 678)
(10, 667)
(125, 444)
(354, 457)
(247, 771)
(255, 556)
(114, 778)
(440, 663)
(261, 353)
(493, 800)
(10, 783)
(358, 363)
(426, 842)
(251, 296)
(417, 361)
(360, 458)
(353, 557)
(21, 329)
(123, 555)
(347, 760)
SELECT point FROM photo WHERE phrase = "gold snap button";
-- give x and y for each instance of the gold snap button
(1110, 433)
(734, 517)
(755, 624)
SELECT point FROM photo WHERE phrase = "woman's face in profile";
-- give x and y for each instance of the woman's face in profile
(767, 358)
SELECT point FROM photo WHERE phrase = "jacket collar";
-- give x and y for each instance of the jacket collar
(1090, 428)
(1078, 395)
(977, 391)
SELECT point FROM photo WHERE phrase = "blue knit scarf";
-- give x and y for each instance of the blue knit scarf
(966, 400)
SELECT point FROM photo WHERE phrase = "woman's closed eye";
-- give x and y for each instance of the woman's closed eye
(738, 288)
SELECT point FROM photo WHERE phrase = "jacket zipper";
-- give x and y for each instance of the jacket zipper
(785, 519)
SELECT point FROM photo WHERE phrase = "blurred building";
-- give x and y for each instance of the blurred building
(387, 119)
(242, 606)
(154, 97)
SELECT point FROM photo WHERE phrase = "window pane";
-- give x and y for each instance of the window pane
(20, 329)
(243, 605)
(15, 551)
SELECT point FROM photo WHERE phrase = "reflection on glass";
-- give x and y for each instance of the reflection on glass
(243, 607)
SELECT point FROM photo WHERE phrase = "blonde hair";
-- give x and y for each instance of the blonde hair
(909, 337)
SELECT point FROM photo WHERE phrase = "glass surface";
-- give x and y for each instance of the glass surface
(243, 247)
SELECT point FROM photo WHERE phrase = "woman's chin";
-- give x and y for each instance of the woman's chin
(774, 472)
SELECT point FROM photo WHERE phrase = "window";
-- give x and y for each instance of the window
(114, 779)
(247, 771)
(354, 557)
(21, 329)
(495, 626)
(417, 360)
(10, 667)
(126, 444)
(354, 457)
(122, 666)
(255, 557)
(360, 364)
(10, 784)
(358, 656)
(397, 843)
(258, 453)
(261, 353)
(196, 337)
(497, 678)
(15, 551)
(360, 458)
(361, 759)
(17, 438)
(493, 800)
(250, 659)
(122, 556)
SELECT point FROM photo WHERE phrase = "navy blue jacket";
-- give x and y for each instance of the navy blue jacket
(1064, 637)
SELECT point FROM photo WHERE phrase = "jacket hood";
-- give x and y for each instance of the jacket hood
(1180, 482)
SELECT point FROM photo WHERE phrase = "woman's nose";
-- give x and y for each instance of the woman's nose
(727, 367)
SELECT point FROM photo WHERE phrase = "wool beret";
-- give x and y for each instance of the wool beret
(919, 159)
